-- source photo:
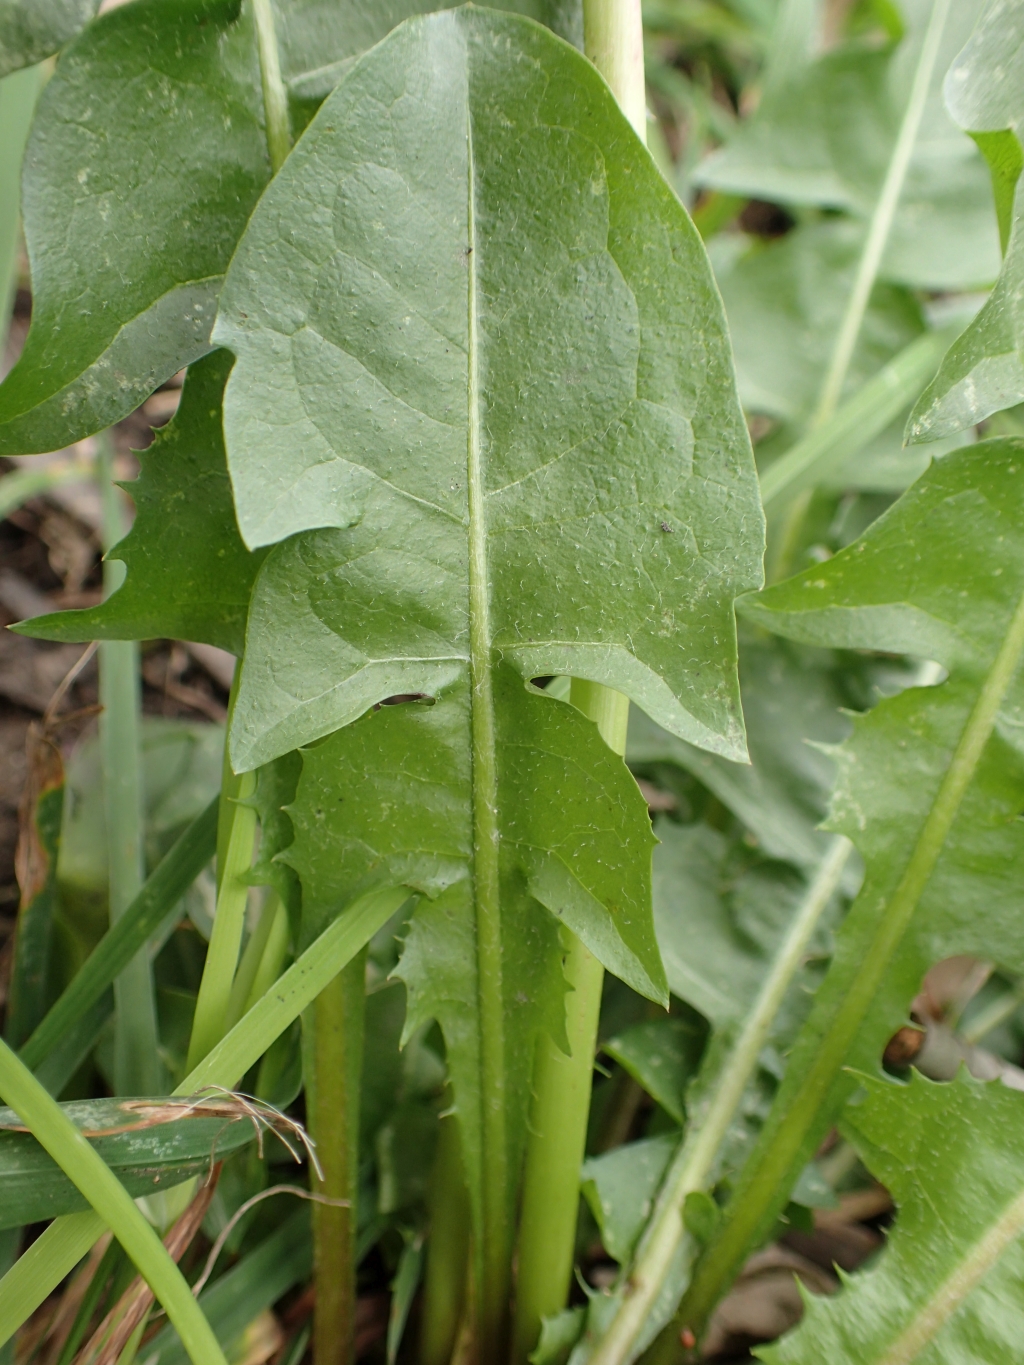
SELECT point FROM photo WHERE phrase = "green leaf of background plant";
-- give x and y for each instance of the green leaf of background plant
(31, 30)
(947, 1287)
(620, 1187)
(791, 706)
(983, 371)
(662, 1056)
(127, 265)
(784, 301)
(188, 574)
(983, 94)
(33, 1188)
(710, 962)
(320, 39)
(825, 135)
(951, 595)
(597, 347)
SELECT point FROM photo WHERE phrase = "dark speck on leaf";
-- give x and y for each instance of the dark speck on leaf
(666, 528)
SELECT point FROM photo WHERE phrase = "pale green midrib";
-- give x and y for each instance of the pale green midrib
(884, 213)
(978, 1261)
(494, 1172)
(838, 1037)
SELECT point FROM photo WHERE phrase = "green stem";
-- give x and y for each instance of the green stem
(693, 1164)
(112, 1202)
(332, 1106)
(882, 218)
(561, 1100)
(768, 1175)
(558, 1132)
(137, 1066)
(444, 1294)
(68, 1239)
(275, 96)
(613, 40)
(211, 1016)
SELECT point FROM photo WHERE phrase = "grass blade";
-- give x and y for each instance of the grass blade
(297, 988)
(40, 1270)
(158, 898)
(111, 1201)
(68, 1239)
(237, 838)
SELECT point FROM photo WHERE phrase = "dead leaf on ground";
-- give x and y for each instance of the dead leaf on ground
(765, 1301)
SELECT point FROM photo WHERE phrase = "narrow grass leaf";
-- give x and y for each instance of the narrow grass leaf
(148, 1148)
(159, 897)
(111, 1201)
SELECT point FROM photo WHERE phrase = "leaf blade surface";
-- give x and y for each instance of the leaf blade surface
(947, 1286)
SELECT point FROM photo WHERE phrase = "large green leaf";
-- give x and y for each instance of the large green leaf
(567, 331)
(936, 822)
(948, 1288)
(189, 575)
(984, 370)
(126, 262)
(825, 136)
(150, 1148)
(33, 29)
(483, 394)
